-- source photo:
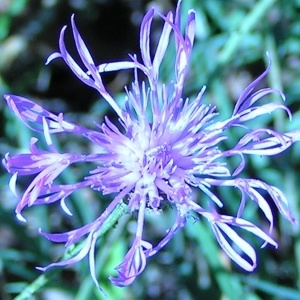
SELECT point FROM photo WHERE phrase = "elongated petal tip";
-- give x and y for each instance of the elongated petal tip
(73, 21)
(121, 282)
(52, 57)
(266, 243)
(12, 181)
(21, 218)
(64, 207)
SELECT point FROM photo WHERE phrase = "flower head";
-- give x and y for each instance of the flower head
(154, 158)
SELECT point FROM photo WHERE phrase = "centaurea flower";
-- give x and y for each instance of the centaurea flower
(153, 159)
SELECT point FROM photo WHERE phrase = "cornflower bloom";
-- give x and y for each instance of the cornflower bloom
(154, 158)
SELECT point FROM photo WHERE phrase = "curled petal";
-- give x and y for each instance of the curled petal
(79, 256)
(52, 57)
(77, 70)
(145, 38)
(134, 264)
(221, 227)
(83, 50)
(251, 144)
(246, 99)
(249, 185)
(252, 113)
(218, 228)
(32, 115)
(162, 45)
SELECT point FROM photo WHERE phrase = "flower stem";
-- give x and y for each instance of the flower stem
(43, 279)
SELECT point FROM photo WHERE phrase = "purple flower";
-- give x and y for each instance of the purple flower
(156, 157)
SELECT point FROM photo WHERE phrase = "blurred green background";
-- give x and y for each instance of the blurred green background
(230, 51)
